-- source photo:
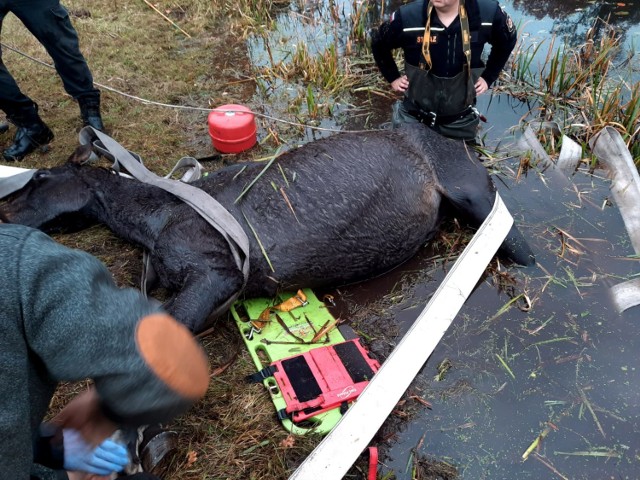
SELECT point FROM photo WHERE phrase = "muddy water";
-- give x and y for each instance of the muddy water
(566, 368)
(570, 361)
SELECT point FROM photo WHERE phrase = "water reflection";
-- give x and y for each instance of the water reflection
(570, 20)
(619, 13)
(304, 25)
(304, 30)
(311, 28)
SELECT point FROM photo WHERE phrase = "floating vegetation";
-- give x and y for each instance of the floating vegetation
(565, 355)
(505, 366)
(442, 368)
(427, 468)
(598, 452)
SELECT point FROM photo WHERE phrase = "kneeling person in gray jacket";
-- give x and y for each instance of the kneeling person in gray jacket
(62, 318)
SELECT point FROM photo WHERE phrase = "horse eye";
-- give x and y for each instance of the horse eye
(41, 174)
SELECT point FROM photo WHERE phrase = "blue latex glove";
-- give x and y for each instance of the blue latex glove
(106, 458)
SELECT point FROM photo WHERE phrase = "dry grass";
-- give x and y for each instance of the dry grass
(131, 48)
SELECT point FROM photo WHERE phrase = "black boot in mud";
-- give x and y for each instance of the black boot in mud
(90, 113)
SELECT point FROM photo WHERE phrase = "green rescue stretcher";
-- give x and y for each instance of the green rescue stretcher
(310, 371)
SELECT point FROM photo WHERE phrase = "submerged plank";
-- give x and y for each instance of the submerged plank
(611, 150)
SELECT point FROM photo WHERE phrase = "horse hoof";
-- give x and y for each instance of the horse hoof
(157, 448)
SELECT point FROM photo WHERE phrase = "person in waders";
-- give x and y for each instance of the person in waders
(443, 42)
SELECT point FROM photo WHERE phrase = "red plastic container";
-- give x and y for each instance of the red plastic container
(232, 128)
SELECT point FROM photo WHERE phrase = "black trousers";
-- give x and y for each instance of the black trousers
(49, 22)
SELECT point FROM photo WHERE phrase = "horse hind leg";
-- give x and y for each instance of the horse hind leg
(475, 204)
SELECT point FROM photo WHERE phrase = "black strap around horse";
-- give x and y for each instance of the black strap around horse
(203, 203)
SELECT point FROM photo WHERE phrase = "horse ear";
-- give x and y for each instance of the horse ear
(81, 155)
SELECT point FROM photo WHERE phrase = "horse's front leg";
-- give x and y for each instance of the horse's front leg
(202, 292)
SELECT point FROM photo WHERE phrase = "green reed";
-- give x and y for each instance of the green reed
(579, 85)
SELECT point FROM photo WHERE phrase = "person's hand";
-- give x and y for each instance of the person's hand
(86, 476)
(106, 458)
(84, 415)
(400, 84)
(481, 86)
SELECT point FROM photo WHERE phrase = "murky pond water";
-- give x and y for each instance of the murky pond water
(568, 365)
(565, 369)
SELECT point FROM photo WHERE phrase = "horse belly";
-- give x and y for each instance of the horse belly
(339, 251)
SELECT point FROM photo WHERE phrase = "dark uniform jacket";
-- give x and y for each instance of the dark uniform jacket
(62, 318)
(488, 23)
(49, 22)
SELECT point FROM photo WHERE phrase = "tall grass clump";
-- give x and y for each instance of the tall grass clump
(580, 87)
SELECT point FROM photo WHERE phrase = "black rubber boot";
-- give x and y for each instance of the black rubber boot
(90, 113)
(29, 137)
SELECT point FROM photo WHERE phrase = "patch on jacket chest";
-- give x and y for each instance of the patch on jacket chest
(420, 40)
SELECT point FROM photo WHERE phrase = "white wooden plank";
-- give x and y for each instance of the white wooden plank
(333, 457)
